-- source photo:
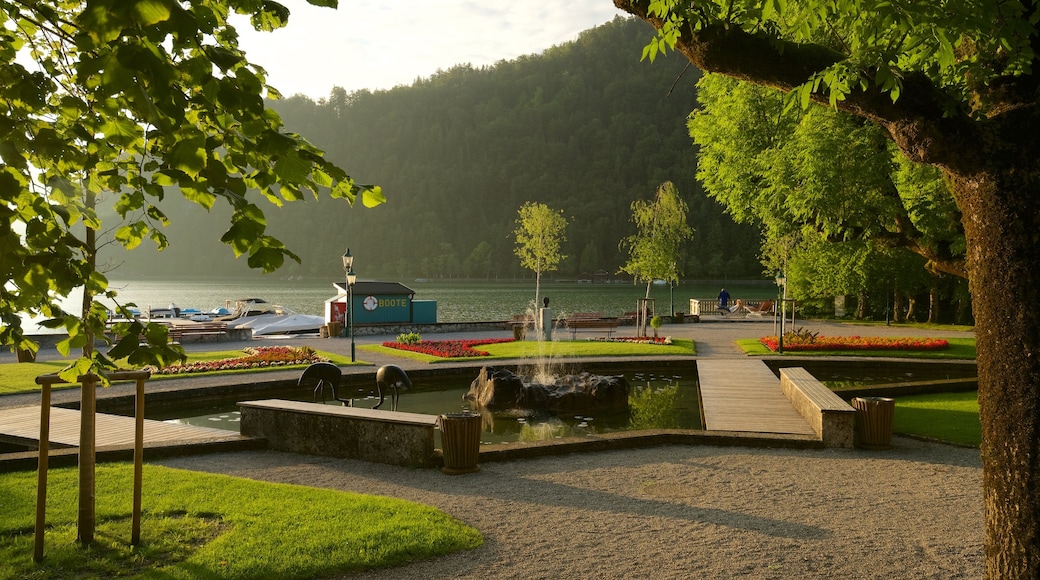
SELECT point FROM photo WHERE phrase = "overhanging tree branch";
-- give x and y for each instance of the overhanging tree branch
(920, 122)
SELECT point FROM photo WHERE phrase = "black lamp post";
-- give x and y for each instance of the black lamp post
(781, 283)
(348, 269)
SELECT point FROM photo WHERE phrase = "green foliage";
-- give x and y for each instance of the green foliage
(660, 409)
(874, 45)
(203, 525)
(655, 250)
(127, 102)
(409, 338)
(656, 322)
(802, 334)
(838, 206)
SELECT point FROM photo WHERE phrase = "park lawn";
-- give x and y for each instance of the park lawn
(914, 325)
(952, 417)
(21, 377)
(525, 349)
(200, 525)
(960, 348)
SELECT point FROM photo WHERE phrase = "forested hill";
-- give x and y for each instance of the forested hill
(584, 127)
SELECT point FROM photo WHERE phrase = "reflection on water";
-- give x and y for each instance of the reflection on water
(841, 380)
(658, 401)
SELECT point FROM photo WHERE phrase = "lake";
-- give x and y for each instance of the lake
(468, 301)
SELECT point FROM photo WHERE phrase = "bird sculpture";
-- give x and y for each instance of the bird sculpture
(392, 378)
(389, 378)
(323, 374)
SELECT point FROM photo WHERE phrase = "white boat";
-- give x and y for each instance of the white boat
(266, 318)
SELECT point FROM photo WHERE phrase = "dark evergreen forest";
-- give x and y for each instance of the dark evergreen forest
(584, 127)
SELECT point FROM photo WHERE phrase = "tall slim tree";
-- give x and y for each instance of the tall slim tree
(540, 231)
(125, 101)
(655, 250)
(955, 86)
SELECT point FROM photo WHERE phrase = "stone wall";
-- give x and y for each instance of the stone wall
(392, 437)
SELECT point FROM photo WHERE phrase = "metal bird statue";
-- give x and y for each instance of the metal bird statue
(325, 375)
(391, 377)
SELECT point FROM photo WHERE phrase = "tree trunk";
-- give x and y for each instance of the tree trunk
(861, 306)
(911, 306)
(1002, 230)
(933, 302)
(897, 307)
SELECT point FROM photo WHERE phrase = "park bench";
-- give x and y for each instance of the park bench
(591, 320)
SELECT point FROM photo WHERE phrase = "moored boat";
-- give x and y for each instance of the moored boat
(264, 318)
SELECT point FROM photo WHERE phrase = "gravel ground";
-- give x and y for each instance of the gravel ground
(914, 511)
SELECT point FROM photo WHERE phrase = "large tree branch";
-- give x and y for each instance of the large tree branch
(917, 121)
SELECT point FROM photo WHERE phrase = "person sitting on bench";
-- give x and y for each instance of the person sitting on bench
(724, 306)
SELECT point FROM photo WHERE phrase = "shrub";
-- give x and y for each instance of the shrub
(409, 338)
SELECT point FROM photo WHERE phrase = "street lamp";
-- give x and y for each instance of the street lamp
(781, 282)
(348, 269)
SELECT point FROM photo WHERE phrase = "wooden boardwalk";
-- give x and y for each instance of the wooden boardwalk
(744, 395)
(22, 425)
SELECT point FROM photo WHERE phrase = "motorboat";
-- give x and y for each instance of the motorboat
(262, 318)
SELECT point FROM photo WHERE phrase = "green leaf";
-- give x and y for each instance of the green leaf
(188, 155)
(150, 12)
(291, 168)
(372, 195)
(270, 17)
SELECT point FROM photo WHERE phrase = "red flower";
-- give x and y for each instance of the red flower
(256, 357)
(448, 348)
(794, 343)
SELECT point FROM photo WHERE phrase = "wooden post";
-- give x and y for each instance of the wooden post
(86, 454)
(135, 534)
(41, 472)
(87, 460)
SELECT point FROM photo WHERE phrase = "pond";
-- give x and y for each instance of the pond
(658, 400)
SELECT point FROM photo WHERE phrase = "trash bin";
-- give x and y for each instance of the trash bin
(874, 421)
(460, 438)
(519, 331)
(26, 356)
(335, 329)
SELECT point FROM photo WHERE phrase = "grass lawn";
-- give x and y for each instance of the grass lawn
(914, 325)
(21, 377)
(960, 348)
(199, 525)
(950, 417)
(559, 348)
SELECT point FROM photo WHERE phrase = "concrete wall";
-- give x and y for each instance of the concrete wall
(368, 434)
(833, 420)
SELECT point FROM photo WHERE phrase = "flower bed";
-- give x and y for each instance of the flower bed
(796, 343)
(636, 339)
(448, 348)
(255, 358)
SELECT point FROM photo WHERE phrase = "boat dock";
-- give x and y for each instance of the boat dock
(21, 426)
(744, 395)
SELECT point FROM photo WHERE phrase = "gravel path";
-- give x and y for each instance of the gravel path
(914, 511)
